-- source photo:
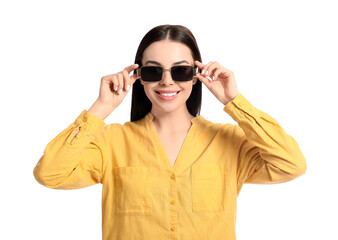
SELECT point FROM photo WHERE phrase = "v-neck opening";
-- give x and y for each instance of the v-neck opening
(158, 143)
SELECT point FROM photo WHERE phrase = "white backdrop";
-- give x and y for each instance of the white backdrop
(53, 54)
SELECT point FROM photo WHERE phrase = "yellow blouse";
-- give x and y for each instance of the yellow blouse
(144, 197)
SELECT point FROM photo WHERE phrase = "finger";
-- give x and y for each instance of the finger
(209, 69)
(115, 82)
(131, 67)
(205, 68)
(199, 64)
(110, 80)
(203, 79)
(120, 80)
(217, 72)
(107, 80)
(227, 72)
(213, 68)
(133, 78)
(127, 80)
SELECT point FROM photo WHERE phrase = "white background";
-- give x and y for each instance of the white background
(53, 54)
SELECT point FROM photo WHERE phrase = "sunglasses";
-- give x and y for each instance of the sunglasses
(179, 73)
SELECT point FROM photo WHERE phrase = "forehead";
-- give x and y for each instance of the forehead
(167, 52)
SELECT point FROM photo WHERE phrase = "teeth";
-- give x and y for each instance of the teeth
(168, 94)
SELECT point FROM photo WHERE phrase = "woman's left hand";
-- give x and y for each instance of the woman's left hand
(222, 85)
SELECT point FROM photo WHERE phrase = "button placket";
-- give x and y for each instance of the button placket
(173, 207)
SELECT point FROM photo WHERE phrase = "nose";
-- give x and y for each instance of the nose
(166, 79)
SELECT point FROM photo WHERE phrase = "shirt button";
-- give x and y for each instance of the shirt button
(173, 228)
(85, 119)
(173, 176)
(172, 202)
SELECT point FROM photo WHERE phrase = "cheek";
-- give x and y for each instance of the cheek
(148, 90)
(188, 87)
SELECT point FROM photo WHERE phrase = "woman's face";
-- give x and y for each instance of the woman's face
(166, 54)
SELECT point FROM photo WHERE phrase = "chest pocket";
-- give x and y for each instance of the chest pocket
(207, 182)
(132, 190)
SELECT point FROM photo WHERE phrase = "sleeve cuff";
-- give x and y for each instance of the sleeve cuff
(89, 122)
(237, 106)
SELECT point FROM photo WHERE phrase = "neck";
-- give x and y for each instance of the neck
(175, 121)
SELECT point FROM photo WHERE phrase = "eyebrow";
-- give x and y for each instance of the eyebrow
(157, 63)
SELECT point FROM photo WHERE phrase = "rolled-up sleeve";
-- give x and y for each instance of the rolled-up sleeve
(265, 154)
(71, 163)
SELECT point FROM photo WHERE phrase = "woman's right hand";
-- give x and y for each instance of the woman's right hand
(115, 87)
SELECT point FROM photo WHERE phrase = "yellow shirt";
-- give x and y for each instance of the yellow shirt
(144, 197)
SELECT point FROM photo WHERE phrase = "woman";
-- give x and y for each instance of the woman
(169, 173)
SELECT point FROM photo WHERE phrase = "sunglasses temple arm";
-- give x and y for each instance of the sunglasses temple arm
(195, 71)
(138, 73)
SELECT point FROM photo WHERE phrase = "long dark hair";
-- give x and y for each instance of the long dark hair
(140, 104)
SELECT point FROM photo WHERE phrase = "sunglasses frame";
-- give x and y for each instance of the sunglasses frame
(195, 70)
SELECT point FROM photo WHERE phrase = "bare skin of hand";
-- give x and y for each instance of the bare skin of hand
(113, 89)
(222, 83)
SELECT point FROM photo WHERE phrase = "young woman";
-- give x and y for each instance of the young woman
(170, 173)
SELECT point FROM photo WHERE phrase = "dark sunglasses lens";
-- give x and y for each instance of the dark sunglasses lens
(182, 73)
(151, 73)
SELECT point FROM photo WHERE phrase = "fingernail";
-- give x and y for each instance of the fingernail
(128, 87)
(116, 88)
(203, 71)
(206, 73)
(120, 91)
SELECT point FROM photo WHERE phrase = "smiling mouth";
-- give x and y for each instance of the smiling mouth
(168, 94)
